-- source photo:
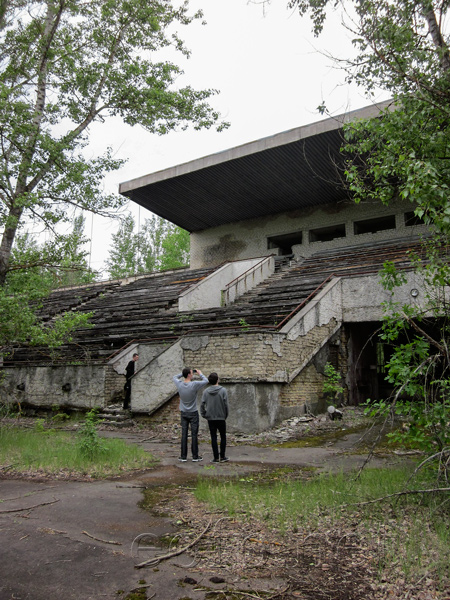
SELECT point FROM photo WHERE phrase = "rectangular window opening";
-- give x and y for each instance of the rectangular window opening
(326, 234)
(412, 219)
(374, 225)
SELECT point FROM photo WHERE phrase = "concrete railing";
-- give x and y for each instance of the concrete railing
(248, 280)
(208, 293)
(320, 310)
(152, 385)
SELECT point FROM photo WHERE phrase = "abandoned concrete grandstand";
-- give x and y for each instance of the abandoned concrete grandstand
(283, 279)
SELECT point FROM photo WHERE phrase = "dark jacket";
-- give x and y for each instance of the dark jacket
(214, 406)
(129, 370)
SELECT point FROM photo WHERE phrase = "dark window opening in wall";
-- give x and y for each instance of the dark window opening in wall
(411, 219)
(374, 225)
(285, 242)
(326, 234)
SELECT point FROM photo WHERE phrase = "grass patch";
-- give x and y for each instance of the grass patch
(412, 532)
(53, 452)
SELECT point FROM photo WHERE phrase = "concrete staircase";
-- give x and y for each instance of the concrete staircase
(281, 267)
(116, 416)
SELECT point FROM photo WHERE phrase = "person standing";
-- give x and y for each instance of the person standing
(129, 373)
(214, 408)
(187, 390)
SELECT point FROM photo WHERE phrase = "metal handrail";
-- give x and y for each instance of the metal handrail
(234, 282)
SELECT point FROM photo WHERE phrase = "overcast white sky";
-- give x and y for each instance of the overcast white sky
(272, 75)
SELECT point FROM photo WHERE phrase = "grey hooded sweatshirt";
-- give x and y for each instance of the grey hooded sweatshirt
(214, 406)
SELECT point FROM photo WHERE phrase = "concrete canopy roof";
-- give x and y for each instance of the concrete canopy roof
(292, 170)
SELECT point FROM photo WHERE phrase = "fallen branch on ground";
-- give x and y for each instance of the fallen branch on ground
(139, 487)
(405, 493)
(147, 439)
(26, 495)
(247, 594)
(28, 508)
(155, 561)
(100, 540)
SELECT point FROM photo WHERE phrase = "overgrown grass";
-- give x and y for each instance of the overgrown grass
(289, 503)
(54, 452)
(412, 531)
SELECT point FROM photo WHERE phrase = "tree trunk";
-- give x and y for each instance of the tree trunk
(437, 38)
(52, 21)
(9, 234)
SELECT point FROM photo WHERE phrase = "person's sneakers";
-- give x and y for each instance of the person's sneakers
(198, 459)
(182, 459)
(215, 460)
(224, 459)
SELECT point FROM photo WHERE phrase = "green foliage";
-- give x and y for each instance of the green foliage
(6, 410)
(39, 425)
(19, 322)
(89, 444)
(419, 366)
(403, 162)
(244, 325)
(34, 271)
(402, 48)
(333, 381)
(159, 245)
(175, 249)
(185, 317)
(426, 428)
(390, 277)
(65, 66)
(290, 502)
(60, 417)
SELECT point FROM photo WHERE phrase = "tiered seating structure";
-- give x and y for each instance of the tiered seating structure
(147, 309)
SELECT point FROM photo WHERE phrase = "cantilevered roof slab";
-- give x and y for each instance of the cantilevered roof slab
(293, 170)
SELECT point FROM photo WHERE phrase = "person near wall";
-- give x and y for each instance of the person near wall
(187, 390)
(129, 373)
(214, 408)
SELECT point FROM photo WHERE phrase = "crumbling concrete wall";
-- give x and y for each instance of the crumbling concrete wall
(73, 386)
(255, 357)
(246, 239)
(253, 407)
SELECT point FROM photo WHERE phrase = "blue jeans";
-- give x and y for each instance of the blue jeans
(220, 426)
(192, 419)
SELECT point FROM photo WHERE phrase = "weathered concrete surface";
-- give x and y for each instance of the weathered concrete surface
(47, 556)
(77, 386)
(208, 292)
(153, 385)
(147, 352)
(45, 553)
(255, 406)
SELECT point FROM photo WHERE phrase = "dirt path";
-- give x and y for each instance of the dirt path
(64, 540)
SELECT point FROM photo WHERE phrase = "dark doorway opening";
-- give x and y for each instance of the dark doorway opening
(368, 356)
(285, 242)
(367, 363)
